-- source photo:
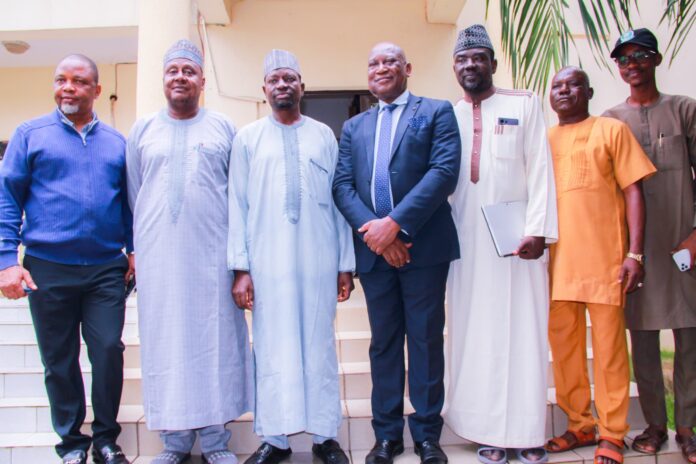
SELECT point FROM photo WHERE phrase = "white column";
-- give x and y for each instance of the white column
(161, 23)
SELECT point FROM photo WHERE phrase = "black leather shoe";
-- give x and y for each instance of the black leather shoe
(384, 452)
(109, 454)
(430, 452)
(330, 452)
(75, 457)
(268, 454)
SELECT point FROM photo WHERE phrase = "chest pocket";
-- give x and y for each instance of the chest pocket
(574, 171)
(670, 153)
(211, 164)
(504, 142)
(318, 181)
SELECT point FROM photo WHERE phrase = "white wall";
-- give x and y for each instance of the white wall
(30, 15)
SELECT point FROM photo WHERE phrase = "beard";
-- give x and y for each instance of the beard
(478, 85)
(283, 104)
(69, 108)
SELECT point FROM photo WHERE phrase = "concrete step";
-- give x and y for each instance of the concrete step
(25, 353)
(28, 380)
(635, 415)
(21, 371)
(355, 436)
(22, 331)
(32, 415)
(22, 382)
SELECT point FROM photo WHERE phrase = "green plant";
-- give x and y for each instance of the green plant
(536, 38)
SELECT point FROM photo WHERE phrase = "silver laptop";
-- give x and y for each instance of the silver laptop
(506, 223)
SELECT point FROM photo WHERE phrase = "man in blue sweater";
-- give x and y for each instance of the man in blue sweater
(63, 195)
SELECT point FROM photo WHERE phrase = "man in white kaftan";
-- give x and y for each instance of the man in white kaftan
(288, 252)
(195, 355)
(498, 307)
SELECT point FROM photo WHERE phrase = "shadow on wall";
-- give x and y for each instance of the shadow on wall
(3, 146)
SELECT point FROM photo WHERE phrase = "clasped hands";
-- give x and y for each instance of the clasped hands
(380, 236)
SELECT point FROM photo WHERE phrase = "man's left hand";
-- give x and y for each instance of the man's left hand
(689, 243)
(530, 248)
(379, 233)
(131, 267)
(631, 275)
(345, 285)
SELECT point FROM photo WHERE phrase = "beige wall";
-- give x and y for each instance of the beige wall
(29, 93)
(332, 39)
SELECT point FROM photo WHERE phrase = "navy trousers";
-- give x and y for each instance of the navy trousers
(407, 304)
(69, 298)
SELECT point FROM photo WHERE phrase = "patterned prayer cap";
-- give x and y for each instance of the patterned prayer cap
(184, 49)
(474, 36)
(277, 59)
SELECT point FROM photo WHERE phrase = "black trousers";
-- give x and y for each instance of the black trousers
(69, 298)
(647, 367)
(407, 304)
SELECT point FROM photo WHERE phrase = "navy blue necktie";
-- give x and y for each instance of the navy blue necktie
(383, 204)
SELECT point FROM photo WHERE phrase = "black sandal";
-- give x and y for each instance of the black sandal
(688, 447)
(650, 441)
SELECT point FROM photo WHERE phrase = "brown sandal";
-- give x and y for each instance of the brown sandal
(608, 453)
(688, 447)
(570, 440)
(650, 441)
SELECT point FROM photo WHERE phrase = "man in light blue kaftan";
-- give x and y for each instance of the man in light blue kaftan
(292, 255)
(196, 361)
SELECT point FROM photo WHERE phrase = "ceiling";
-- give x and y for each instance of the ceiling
(103, 45)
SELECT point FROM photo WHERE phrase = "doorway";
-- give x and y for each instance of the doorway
(333, 108)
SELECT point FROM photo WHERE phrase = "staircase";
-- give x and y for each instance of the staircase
(26, 436)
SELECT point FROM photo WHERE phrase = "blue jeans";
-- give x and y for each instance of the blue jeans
(213, 438)
(281, 441)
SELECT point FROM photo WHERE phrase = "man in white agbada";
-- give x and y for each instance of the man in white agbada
(498, 307)
(292, 255)
(196, 361)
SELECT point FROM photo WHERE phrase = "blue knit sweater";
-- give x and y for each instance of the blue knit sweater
(71, 188)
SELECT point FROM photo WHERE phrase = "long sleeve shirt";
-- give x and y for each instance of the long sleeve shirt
(63, 193)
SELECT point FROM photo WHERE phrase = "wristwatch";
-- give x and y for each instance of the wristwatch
(638, 257)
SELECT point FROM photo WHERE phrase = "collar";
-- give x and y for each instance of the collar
(400, 100)
(479, 98)
(86, 129)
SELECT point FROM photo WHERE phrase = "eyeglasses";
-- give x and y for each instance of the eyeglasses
(638, 57)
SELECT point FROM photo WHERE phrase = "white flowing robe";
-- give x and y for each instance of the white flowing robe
(497, 308)
(195, 354)
(294, 269)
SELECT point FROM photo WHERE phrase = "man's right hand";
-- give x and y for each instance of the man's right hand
(11, 282)
(396, 253)
(243, 290)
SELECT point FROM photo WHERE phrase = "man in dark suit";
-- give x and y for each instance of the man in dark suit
(398, 163)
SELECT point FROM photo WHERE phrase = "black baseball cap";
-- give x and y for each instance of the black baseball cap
(642, 37)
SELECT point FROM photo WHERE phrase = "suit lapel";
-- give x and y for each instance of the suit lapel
(369, 128)
(408, 113)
